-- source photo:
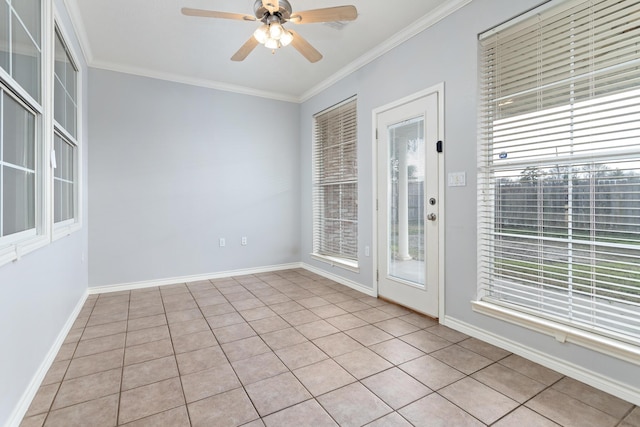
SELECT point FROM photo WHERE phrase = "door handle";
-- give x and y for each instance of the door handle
(431, 217)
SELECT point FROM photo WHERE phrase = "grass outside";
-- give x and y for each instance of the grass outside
(579, 235)
(606, 275)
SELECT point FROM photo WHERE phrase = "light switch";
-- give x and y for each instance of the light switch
(457, 179)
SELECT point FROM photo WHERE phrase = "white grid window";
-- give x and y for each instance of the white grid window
(559, 166)
(17, 169)
(335, 184)
(21, 175)
(65, 188)
(20, 43)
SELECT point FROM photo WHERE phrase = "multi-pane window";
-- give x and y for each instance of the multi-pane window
(65, 83)
(63, 180)
(335, 185)
(65, 146)
(31, 198)
(20, 43)
(20, 108)
(17, 168)
(559, 166)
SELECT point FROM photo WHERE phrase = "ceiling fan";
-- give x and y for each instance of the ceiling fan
(273, 14)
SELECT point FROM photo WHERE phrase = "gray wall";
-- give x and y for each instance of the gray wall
(175, 167)
(445, 53)
(41, 290)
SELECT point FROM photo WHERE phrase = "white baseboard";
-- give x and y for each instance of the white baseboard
(186, 279)
(609, 385)
(341, 280)
(27, 397)
(223, 274)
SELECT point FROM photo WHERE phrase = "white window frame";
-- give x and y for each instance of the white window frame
(14, 246)
(345, 262)
(65, 228)
(610, 342)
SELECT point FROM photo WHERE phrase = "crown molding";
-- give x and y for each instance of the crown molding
(209, 84)
(410, 31)
(80, 30)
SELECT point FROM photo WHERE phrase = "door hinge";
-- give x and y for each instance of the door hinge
(376, 134)
(439, 146)
(377, 276)
(376, 204)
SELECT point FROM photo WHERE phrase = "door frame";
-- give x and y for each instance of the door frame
(437, 89)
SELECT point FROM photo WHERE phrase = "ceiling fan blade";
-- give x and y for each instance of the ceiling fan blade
(245, 50)
(215, 14)
(329, 14)
(303, 46)
(271, 5)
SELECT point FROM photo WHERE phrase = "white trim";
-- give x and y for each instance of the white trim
(622, 390)
(63, 229)
(562, 333)
(186, 279)
(224, 274)
(439, 90)
(407, 33)
(16, 251)
(346, 282)
(337, 262)
(79, 29)
(178, 78)
(27, 397)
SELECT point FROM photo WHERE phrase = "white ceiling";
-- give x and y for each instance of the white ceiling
(153, 38)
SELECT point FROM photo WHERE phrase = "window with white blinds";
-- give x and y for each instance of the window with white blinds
(559, 166)
(335, 184)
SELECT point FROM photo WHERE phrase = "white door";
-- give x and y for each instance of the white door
(409, 204)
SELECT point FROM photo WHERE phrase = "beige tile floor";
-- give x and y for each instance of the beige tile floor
(292, 348)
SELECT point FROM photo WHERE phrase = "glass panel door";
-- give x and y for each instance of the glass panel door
(406, 181)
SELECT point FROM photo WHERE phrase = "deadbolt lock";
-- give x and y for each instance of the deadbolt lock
(432, 201)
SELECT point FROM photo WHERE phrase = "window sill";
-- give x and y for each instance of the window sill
(338, 262)
(64, 229)
(562, 333)
(15, 251)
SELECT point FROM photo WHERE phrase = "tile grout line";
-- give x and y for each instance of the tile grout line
(307, 286)
(124, 350)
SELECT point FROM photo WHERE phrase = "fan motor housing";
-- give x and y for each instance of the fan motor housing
(262, 13)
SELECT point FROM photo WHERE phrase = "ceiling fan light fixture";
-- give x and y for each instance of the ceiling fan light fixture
(272, 34)
(272, 44)
(275, 30)
(286, 38)
(261, 34)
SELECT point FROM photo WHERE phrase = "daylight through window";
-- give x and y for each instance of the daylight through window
(559, 166)
(335, 195)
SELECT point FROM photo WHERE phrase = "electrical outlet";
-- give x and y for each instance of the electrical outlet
(222, 242)
(243, 241)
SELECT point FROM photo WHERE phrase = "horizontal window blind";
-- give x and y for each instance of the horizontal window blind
(335, 189)
(559, 166)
